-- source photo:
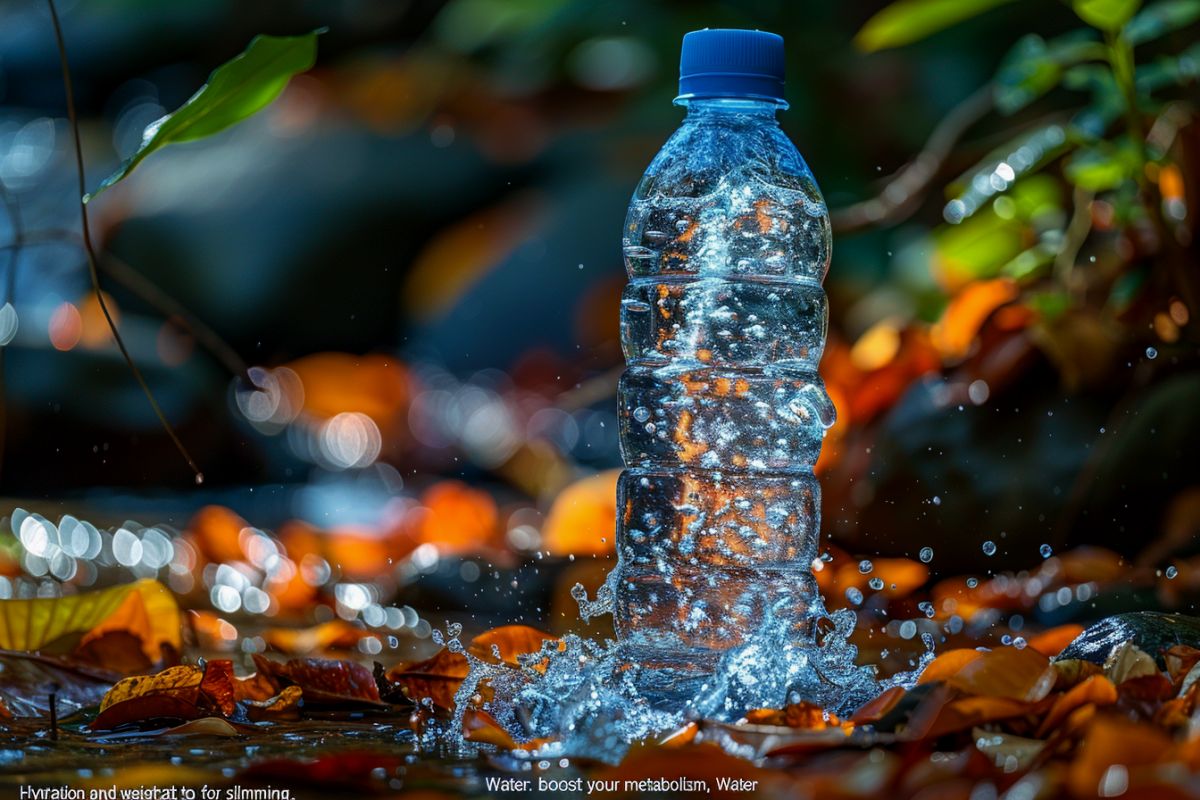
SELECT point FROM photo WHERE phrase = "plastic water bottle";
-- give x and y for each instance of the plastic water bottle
(722, 411)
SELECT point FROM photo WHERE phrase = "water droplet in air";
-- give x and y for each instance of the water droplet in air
(972, 583)
(199, 478)
(1019, 643)
(854, 595)
(926, 608)
(989, 548)
(865, 566)
(926, 554)
(875, 583)
(1046, 550)
(1171, 572)
(908, 629)
(641, 413)
(1151, 353)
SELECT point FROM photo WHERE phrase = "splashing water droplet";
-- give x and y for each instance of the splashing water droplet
(1046, 550)
(865, 566)
(1171, 572)
(989, 548)
(875, 583)
(926, 554)
(1151, 353)
(1019, 643)
(854, 595)
(972, 583)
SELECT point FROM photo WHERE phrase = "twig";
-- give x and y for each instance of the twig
(91, 253)
(904, 190)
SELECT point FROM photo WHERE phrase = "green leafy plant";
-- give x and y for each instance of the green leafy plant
(236, 90)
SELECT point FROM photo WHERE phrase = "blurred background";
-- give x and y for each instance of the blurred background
(415, 253)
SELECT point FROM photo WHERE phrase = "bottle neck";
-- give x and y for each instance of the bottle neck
(742, 108)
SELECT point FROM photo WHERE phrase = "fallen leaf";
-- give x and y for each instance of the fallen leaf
(144, 609)
(217, 686)
(1072, 671)
(285, 705)
(582, 519)
(1051, 642)
(205, 726)
(325, 681)
(1127, 661)
(334, 634)
(1008, 752)
(970, 712)
(480, 726)
(507, 643)
(27, 680)
(1006, 673)
(118, 651)
(1096, 690)
(806, 716)
(875, 709)
(1110, 741)
(948, 664)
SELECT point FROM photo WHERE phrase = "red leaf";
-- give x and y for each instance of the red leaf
(325, 681)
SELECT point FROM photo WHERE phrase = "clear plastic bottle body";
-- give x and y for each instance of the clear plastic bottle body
(722, 411)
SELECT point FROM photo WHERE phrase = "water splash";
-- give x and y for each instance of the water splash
(596, 698)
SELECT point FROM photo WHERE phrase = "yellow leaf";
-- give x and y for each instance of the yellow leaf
(57, 625)
(173, 680)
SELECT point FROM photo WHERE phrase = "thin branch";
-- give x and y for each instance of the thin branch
(903, 191)
(91, 253)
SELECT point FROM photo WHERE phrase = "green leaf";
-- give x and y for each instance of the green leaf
(235, 90)
(1035, 66)
(1101, 167)
(906, 21)
(1107, 15)
(1162, 18)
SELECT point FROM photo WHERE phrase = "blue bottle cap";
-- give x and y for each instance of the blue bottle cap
(726, 62)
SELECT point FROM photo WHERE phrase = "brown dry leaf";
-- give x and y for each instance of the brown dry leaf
(948, 664)
(1096, 690)
(438, 678)
(1180, 660)
(480, 726)
(806, 716)
(1008, 673)
(1007, 751)
(144, 609)
(334, 634)
(1072, 671)
(217, 686)
(182, 692)
(27, 680)
(285, 705)
(325, 681)
(257, 687)
(582, 519)
(119, 651)
(970, 712)
(1127, 661)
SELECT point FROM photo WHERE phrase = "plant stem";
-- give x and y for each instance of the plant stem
(1120, 59)
(91, 253)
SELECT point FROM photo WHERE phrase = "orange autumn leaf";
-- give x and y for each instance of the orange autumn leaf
(1006, 673)
(969, 712)
(947, 665)
(334, 634)
(1113, 740)
(877, 708)
(1051, 642)
(335, 383)
(480, 726)
(457, 518)
(217, 533)
(955, 332)
(509, 641)
(439, 677)
(802, 715)
(1096, 690)
(900, 576)
(582, 520)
